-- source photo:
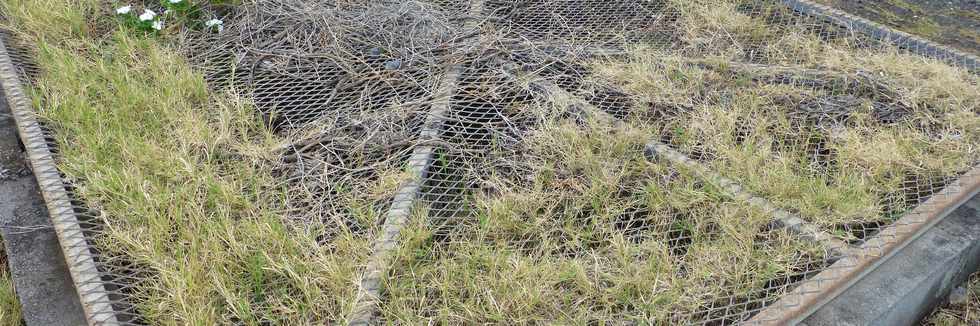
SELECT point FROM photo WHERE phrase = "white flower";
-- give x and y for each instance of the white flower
(215, 23)
(176, 1)
(158, 25)
(124, 10)
(147, 15)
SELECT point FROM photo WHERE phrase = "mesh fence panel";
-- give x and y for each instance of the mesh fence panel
(675, 162)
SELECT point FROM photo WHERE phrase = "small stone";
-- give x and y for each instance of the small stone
(393, 64)
(958, 296)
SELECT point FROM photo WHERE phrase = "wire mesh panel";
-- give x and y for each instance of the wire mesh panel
(589, 23)
(20, 55)
(667, 162)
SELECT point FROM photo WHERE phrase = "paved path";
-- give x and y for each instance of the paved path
(37, 265)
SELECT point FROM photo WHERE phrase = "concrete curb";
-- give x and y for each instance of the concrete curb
(914, 281)
(849, 271)
(77, 252)
(40, 276)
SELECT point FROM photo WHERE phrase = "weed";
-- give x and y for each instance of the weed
(10, 314)
(838, 152)
(597, 233)
(181, 176)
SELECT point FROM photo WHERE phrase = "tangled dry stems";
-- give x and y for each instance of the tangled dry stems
(539, 195)
(566, 220)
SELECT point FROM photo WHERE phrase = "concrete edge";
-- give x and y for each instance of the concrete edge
(824, 287)
(907, 287)
(78, 254)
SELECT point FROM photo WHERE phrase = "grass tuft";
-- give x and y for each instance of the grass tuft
(181, 176)
(591, 231)
(10, 313)
(847, 135)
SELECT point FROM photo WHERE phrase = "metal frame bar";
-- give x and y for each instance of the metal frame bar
(406, 198)
(819, 290)
(795, 306)
(78, 254)
(784, 219)
(912, 43)
(656, 150)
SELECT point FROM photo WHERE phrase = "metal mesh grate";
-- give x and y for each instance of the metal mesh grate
(695, 162)
(27, 70)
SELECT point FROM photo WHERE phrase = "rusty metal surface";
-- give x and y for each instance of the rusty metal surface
(811, 295)
(77, 252)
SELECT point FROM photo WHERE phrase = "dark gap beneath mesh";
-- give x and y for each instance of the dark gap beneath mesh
(22, 57)
(859, 232)
(118, 274)
(476, 110)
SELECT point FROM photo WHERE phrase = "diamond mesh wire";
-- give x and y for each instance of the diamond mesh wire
(672, 162)
(27, 70)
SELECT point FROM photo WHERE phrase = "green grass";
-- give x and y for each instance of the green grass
(10, 314)
(599, 234)
(856, 169)
(181, 175)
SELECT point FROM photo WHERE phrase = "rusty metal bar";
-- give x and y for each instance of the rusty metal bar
(79, 256)
(884, 33)
(369, 294)
(812, 294)
(782, 218)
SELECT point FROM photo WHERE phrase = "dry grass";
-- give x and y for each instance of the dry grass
(591, 231)
(10, 313)
(230, 222)
(181, 176)
(860, 135)
(965, 313)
